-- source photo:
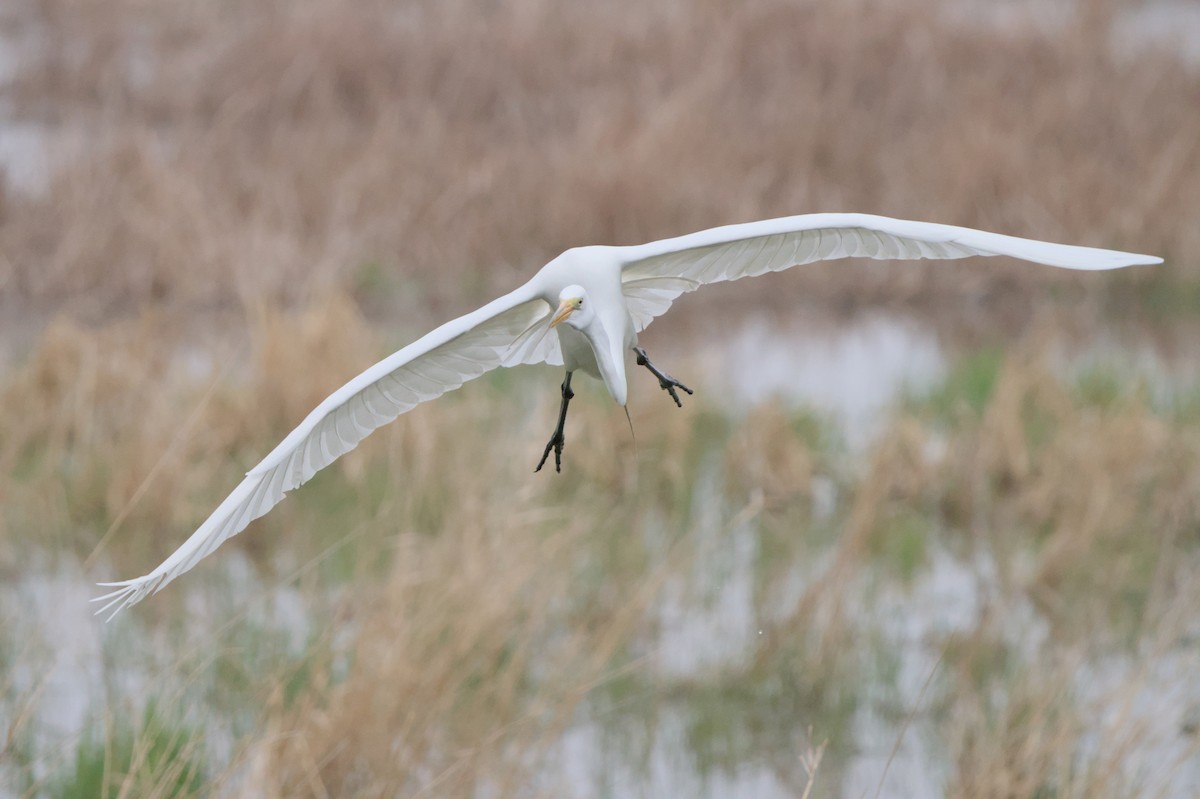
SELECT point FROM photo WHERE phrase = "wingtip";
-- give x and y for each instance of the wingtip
(1116, 260)
(127, 593)
(120, 583)
(117, 601)
(1137, 259)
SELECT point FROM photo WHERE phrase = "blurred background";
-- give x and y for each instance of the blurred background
(926, 529)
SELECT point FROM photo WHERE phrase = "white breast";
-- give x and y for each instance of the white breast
(577, 352)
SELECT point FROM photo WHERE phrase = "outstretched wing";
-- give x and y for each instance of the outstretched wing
(506, 332)
(654, 274)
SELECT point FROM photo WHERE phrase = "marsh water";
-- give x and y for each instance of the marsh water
(855, 375)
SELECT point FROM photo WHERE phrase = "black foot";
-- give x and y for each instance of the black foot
(556, 443)
(665, 381)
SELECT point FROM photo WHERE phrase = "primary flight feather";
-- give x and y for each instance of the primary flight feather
(596, 300)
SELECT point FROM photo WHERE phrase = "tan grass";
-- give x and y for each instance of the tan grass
(1103, 487)
(438, 152)
(510, 602)
(218, 255)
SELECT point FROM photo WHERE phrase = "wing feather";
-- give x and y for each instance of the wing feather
(755, 248)
(441, 361)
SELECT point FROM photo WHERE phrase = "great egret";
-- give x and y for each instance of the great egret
(596, 299)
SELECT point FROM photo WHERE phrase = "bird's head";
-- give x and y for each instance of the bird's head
(574, 308)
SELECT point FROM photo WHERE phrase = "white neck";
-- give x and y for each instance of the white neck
(610, 358)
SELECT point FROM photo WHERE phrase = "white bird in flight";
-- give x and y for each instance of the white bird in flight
(596, 299)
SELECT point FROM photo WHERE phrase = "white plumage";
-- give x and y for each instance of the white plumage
(617, 292)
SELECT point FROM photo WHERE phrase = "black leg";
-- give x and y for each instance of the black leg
(668, 383)
(558, 439)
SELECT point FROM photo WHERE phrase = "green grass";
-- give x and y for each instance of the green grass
(901, 544)
(967, 389)
(1170, 294)
(161, 756)
(758, 713)
(256, 658)
(817, 431)
(572, 591)
(1103, 387)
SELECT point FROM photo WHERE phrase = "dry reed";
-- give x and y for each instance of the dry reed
(244, 192)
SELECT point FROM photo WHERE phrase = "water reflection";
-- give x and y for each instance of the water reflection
(1165, 26)
(851, 372)
(58, 668)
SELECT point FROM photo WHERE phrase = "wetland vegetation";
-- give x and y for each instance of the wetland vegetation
(988, 593)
